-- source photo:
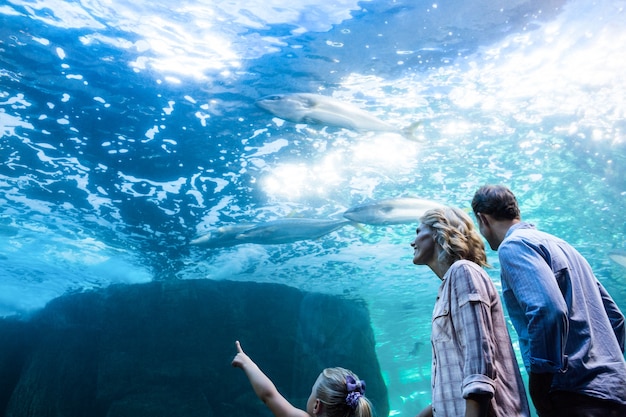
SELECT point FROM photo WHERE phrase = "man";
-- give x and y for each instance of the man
(570, 330)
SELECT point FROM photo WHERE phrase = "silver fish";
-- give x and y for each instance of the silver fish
(391, 211)
(223, 236)
(317, 109)
(618, 256)
(289, 230)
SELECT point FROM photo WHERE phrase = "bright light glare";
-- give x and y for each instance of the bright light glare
(378, 155)
(292, 181)
(385, 153)
(214, 38)
(573, 66)
(288, 180)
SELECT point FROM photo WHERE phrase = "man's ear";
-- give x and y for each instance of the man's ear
(482, 219)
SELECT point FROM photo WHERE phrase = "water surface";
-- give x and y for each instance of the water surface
(128, 129)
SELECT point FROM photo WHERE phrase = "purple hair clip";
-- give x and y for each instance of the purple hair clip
(355, 391)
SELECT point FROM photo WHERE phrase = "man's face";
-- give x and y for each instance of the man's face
(485, 229)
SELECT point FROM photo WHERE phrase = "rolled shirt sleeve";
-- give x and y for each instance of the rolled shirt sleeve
(473, 334)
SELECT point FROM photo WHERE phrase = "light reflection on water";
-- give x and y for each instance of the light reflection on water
(128, 128)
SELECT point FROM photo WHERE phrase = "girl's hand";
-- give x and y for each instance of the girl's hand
(241, 359)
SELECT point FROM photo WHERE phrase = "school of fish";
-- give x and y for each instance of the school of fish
(317, 109)
(320, 110)
(293, 229)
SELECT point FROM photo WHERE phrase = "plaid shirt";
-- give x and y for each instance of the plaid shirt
(472, 351)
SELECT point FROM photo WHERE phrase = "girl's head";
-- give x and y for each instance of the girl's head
(453, 230)
(338, 392)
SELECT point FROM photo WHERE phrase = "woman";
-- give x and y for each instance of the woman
(474, 371)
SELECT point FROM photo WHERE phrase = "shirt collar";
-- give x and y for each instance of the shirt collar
(520, 225)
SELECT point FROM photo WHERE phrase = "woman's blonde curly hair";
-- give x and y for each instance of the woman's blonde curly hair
(454, 231)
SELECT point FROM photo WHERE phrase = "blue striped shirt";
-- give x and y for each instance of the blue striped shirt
(566, 321)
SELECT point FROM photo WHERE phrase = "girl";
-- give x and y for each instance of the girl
(337, 392)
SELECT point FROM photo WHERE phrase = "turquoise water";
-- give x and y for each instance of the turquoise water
(128, 129)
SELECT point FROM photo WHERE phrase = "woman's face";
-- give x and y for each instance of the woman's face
(423, 246)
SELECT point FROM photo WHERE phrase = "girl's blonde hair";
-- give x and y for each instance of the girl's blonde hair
(333, 392)
(454, 231)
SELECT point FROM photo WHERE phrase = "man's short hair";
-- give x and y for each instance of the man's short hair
(497, 201)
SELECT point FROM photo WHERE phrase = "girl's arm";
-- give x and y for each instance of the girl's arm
(264, 388)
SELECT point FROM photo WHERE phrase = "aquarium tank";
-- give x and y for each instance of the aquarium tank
(297, 143)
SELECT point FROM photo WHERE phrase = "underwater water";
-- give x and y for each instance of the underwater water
(130, 129)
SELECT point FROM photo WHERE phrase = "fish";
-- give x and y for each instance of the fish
(323, 110)
(390, 211)
(223, 236)
(416, 348)
(618, 256)
(289, 230)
